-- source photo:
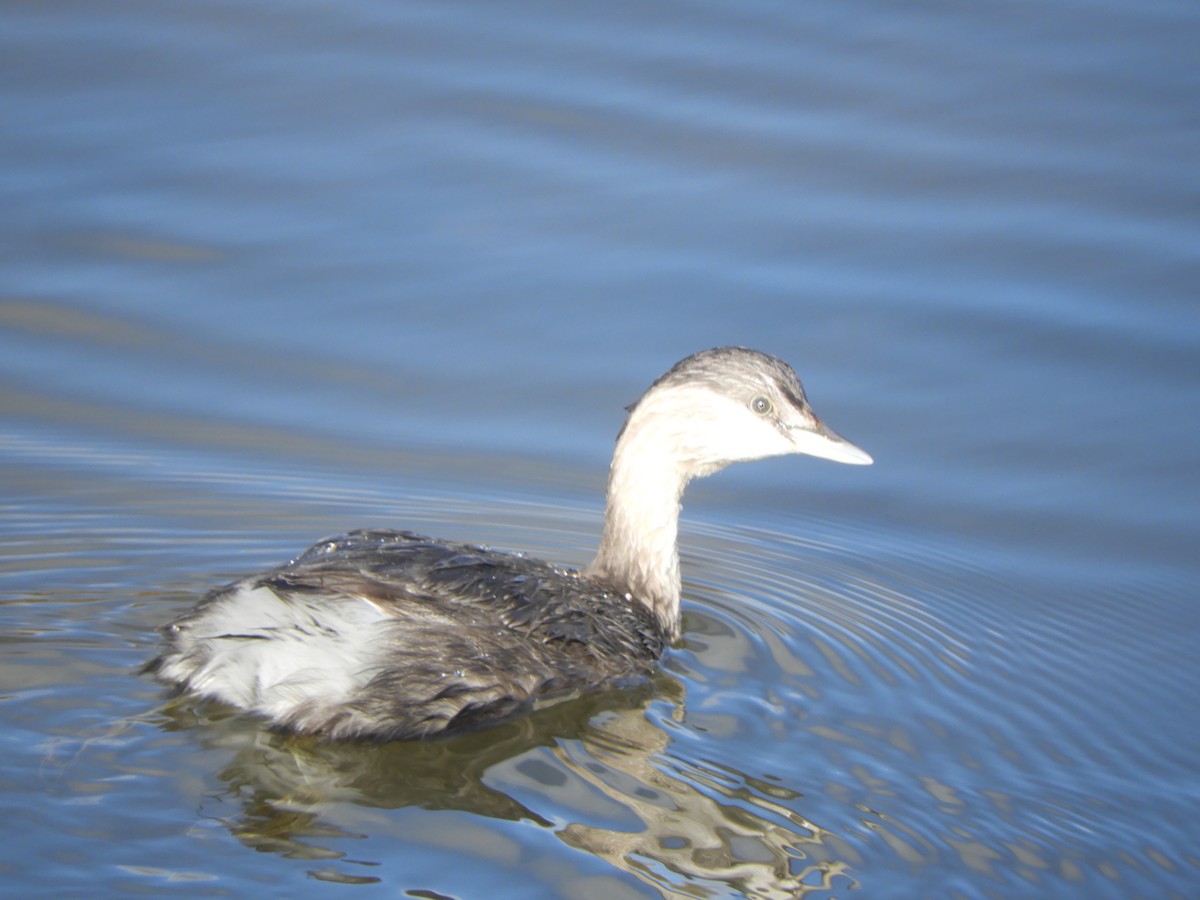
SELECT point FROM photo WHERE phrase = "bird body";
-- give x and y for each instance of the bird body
(388, 634)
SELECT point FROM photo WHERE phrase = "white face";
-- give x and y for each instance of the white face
(710, 430)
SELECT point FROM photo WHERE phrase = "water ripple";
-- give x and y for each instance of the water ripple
(842, 701)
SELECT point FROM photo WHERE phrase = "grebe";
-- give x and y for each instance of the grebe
(386, 634)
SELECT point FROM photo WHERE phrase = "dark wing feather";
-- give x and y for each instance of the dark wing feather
(397, 569)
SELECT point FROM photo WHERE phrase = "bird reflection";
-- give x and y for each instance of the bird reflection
(683, 828)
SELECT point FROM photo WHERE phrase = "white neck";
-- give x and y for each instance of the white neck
(638, 554)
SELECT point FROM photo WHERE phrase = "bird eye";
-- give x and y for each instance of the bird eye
(761, 405)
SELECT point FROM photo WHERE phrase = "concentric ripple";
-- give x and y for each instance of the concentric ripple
(913, 704)
(954, 708)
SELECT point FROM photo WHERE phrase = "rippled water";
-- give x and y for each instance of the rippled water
(271, 272)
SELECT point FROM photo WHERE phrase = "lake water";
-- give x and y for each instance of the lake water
(272, 271)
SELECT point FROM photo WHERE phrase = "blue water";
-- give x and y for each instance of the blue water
(272, 271)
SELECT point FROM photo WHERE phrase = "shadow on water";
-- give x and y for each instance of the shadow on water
(599, 771)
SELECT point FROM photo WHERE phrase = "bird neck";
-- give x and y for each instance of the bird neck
(639, 553)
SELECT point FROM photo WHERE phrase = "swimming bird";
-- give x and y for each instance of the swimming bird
(382, 634)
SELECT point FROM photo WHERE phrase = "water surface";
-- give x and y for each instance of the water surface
(271, 272)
